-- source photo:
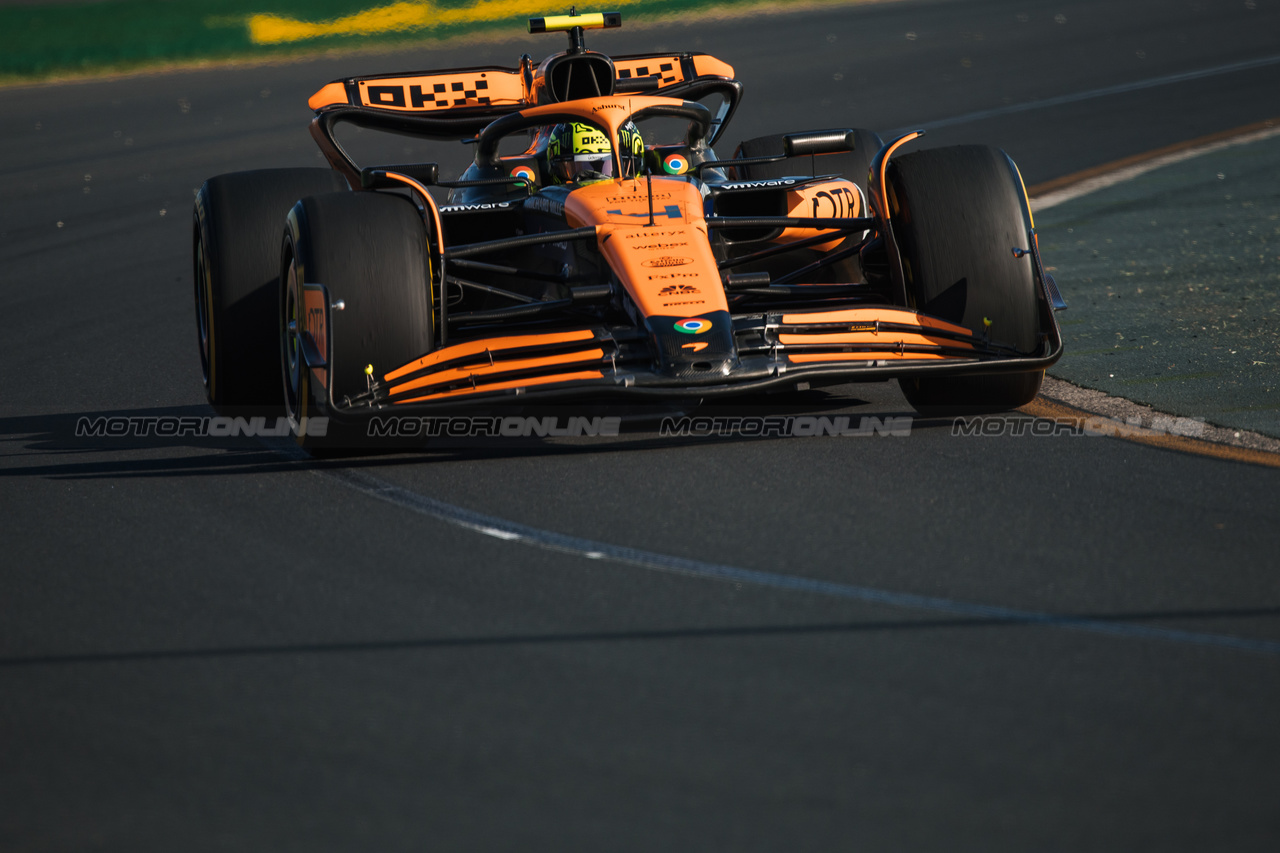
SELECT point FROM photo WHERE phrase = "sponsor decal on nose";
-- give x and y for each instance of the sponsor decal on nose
(666, 261)
(693, 325)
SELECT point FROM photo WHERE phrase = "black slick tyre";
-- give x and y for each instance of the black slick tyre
(958, 213)
(236, 257)
(369, 252)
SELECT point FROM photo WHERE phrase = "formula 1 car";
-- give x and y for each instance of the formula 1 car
(618, 269)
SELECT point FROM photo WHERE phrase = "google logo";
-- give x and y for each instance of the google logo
(693, 325)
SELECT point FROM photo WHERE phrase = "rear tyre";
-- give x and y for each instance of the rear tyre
(958, 213)
(236, 259)
(369, 250)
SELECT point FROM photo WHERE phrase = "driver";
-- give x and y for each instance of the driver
(580, 152)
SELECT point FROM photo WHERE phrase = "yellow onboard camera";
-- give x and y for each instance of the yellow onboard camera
(565, 23)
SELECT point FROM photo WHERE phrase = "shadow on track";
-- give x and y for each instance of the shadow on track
(433, 643)
(64, 445)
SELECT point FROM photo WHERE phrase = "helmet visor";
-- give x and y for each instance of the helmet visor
(580, 164)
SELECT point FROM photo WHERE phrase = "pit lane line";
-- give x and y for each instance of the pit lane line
(1090, 94)
(515, 532)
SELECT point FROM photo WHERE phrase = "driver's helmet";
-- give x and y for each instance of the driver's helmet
(578, 151)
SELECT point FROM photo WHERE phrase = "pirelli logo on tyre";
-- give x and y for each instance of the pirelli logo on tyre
(666, 261)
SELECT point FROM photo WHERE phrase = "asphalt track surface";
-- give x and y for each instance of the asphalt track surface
(928, 642)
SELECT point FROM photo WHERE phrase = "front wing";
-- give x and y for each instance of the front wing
(774, 351)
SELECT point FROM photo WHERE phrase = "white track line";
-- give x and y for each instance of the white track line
(522, 534)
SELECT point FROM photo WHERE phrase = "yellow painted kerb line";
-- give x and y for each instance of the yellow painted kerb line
(1054, 411)
(397, 17)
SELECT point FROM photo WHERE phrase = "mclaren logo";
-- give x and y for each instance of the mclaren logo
(667, 261)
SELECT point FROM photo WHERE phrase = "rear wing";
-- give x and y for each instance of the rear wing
(459, 102)
(486, 87)
(429, 92)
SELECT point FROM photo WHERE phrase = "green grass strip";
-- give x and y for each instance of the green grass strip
(50, 41)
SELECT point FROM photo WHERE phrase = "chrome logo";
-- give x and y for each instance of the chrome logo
(675, 164)
(693, 325)
(524, 172)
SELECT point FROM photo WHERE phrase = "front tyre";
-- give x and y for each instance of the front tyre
(958, 213)
(369, 251)
(236, 260)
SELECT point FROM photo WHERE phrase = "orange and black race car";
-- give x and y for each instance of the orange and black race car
(574, 257)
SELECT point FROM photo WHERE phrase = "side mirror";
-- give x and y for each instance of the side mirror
(818, 142)
(637, 85)
(375, 177)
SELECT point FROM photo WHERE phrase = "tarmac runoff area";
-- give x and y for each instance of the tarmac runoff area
(1172, 278)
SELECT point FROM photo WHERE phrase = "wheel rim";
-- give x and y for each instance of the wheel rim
(203, 311)
(289, 343)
